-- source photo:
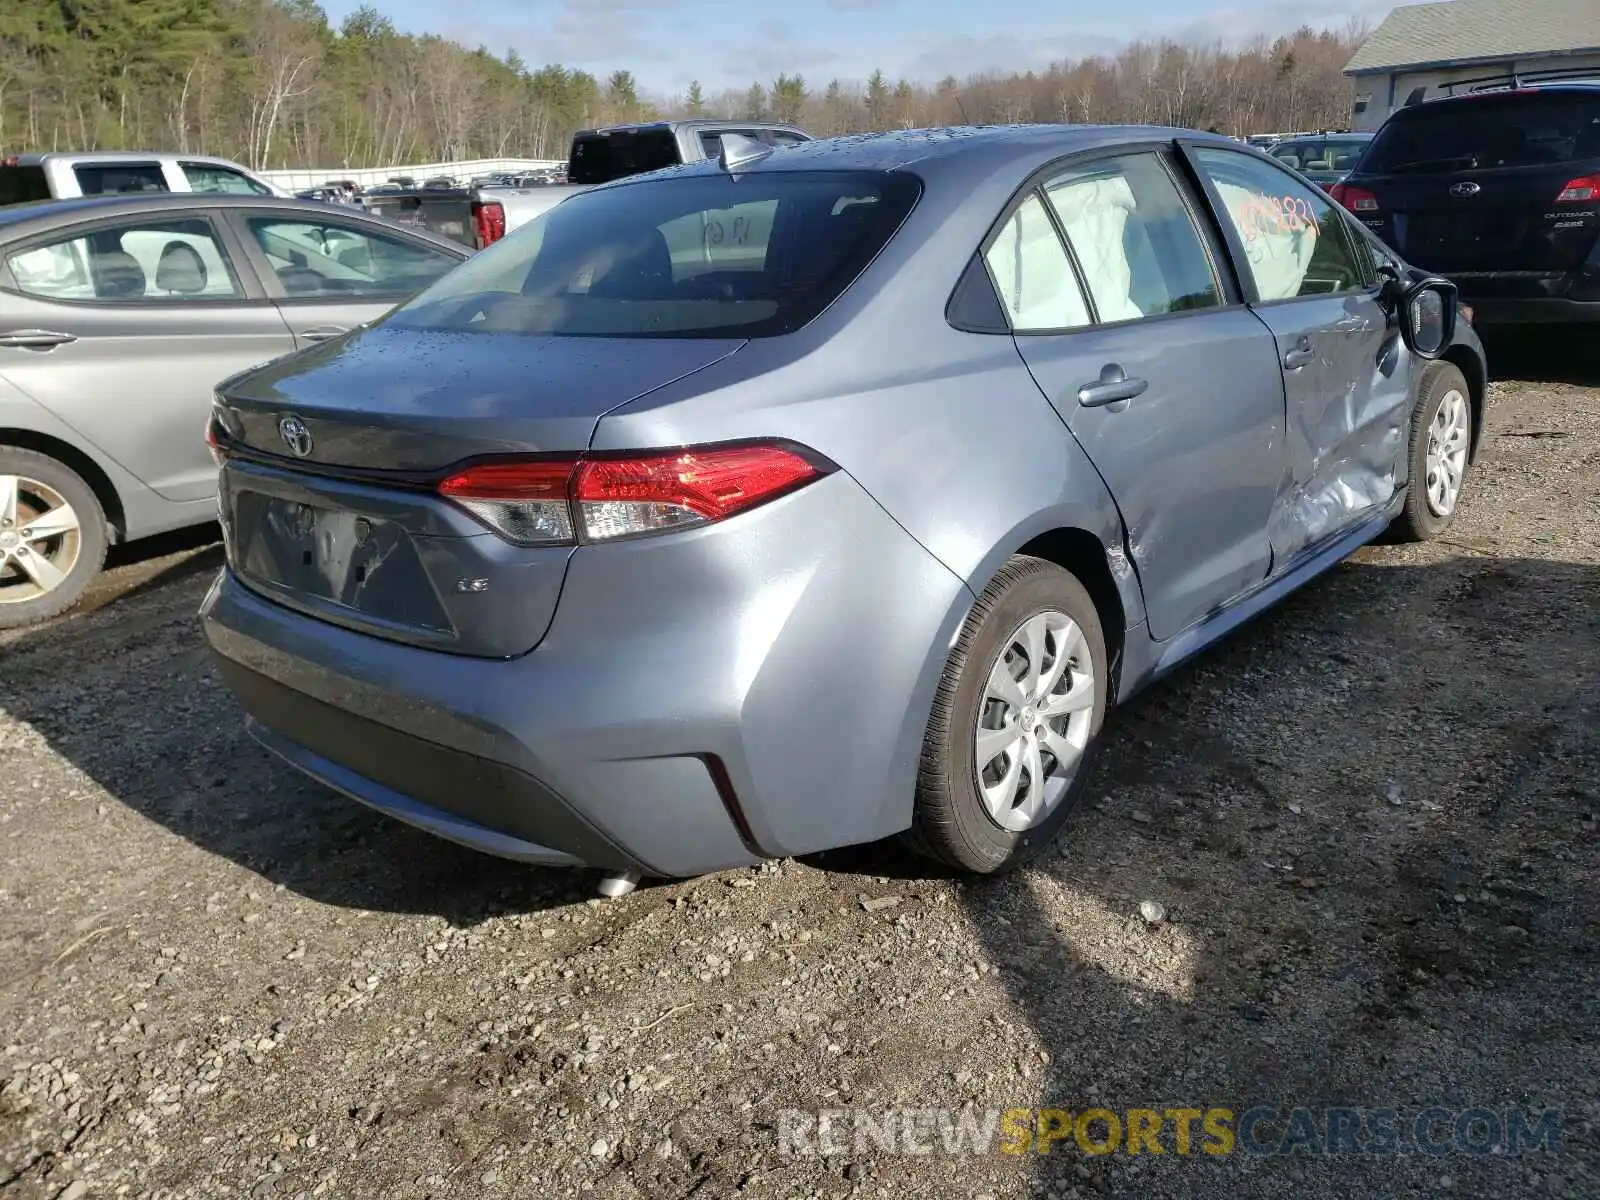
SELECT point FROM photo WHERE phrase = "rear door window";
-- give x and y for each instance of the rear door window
(1299, 155)
(1520, 130)
(319, 259)
(139, 262)
(105, 179)
(1134, 238)
(694, 256)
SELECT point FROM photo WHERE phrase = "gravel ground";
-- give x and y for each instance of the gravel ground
(1369, 818)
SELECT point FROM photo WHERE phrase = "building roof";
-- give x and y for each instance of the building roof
(1469, 31)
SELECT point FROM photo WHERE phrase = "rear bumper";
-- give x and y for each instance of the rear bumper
(1531, 297)
(705, 700)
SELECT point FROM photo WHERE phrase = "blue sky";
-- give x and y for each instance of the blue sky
(725, 43)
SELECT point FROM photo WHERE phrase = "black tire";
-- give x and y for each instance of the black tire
(1418, 522)
(93, 537)
(951, 822)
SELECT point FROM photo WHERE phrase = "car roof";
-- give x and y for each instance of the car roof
(116, 156)
(1323, 137)
(688, 123)
(1563, 87)
(23, 220)
(984, 147)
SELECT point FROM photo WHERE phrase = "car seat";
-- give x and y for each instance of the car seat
(180, 270)
(644, 272)
(117, 275)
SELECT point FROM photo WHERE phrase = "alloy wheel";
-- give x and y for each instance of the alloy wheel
(1034, 719)
(1448, 437)
(40, 539)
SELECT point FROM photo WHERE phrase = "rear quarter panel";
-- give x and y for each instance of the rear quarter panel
(144, 512)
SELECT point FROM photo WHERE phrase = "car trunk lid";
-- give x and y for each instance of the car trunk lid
(328, 494)
(418, 400)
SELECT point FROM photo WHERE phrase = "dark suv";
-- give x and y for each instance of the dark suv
(1497, 190)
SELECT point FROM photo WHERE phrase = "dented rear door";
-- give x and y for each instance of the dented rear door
(1346, 378)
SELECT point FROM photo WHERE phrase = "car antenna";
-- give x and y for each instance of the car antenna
(739, 151)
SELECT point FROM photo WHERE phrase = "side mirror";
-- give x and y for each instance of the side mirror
(1428, 310)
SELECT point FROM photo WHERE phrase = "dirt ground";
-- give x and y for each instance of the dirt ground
(1370, 818)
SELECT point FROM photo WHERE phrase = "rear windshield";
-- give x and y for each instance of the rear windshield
(1493, 131)
(18, 185)
(685, 256)
(117, 178)
(618, 153)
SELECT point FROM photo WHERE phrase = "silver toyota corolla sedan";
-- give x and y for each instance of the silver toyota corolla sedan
(806, 497)
(118, 314)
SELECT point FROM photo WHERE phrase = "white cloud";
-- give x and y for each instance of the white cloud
(963, 55)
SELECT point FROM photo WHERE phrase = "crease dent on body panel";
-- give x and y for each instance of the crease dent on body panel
(1354, 454)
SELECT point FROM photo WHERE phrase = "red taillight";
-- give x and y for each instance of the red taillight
(1579, 190)
(544, 502)
(525, 502)
(219, 454)
(622, 497)
(1357, 200)
(489, 219)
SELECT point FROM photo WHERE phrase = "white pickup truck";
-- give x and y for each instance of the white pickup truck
(478, 217)
(59, 176)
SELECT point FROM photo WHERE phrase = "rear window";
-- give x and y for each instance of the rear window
(692, 256)
(1492, 131)
(118, 178)
(618, 153)
(18, 185)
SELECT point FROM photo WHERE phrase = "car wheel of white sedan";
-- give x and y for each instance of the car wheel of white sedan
(52, 537)
(1015, 722)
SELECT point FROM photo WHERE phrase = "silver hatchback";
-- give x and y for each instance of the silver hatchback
(118, 315)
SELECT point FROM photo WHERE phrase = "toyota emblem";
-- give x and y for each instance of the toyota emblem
(295, 435)
(1467, 188)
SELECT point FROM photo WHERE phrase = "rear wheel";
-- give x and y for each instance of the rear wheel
(1441, 443)
(52, 537)
(1015, 723)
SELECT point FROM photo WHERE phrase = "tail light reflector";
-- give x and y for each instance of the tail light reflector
(606, 497)
(1357, 200)
(489, 221)
(1577, 191)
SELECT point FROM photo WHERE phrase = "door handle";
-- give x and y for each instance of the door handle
(321, 333)
(36, 339)
(1113, 387)
(1299, 356)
